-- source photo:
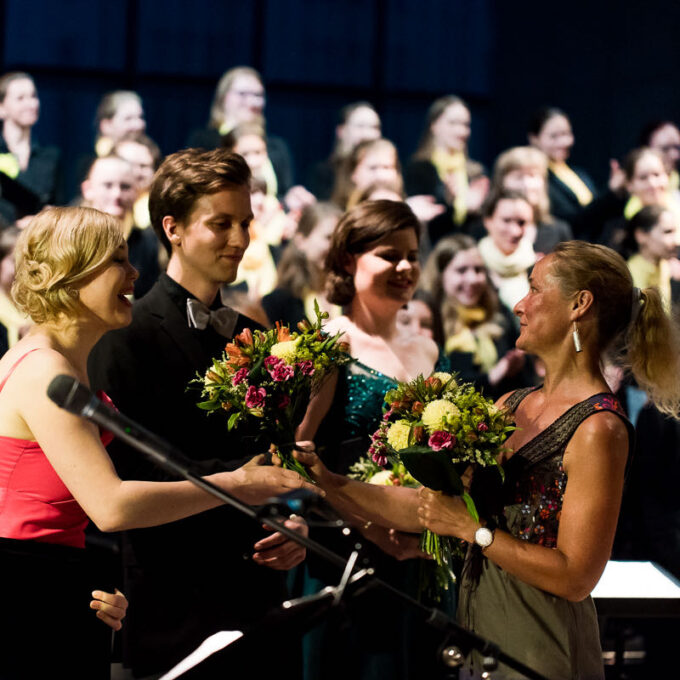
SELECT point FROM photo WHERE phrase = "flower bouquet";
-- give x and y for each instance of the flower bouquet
(436, 428)
(265, 379)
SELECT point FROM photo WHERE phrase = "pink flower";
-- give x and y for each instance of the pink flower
(387, 414)
(283, 401)
(281, 372)
(255, 397)
(380, 458)
(271, 361)
(306, 367)
(239, 376)
(483, 427)
(441, 440)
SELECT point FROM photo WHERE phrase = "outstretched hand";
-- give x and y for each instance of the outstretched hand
(111, 607)
(445, 515)
(256, 481)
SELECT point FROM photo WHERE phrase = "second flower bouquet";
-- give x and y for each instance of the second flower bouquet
(266, 378)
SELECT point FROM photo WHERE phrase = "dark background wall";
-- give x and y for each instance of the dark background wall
(611, 65)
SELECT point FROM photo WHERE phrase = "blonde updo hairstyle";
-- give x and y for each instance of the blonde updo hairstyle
(58, 250)
(638, 328)
(358, 231)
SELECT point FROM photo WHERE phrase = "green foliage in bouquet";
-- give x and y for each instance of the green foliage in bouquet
(436, 428)
(265, 379)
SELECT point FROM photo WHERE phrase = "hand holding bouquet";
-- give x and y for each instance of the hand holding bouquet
(436, 428)
(266, 378)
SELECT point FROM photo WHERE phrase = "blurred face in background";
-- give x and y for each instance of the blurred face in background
(508, 223)
(415, 318)
(451, 130)
(529, 181)
(128, 118)
(659, 243)
(464, 278)
(141, 162)
(555, 139)
(244, 100)
(667, 140)
(21, 105)
(378, 165)
(362, 125)
(649, 181)
(110, 187)
(316, 245)
(254, 149)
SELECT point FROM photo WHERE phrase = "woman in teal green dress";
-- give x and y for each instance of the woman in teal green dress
(373, 272)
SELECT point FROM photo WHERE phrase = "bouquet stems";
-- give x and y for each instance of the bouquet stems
(289, 462)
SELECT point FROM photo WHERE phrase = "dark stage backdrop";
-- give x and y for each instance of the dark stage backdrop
(612, 65)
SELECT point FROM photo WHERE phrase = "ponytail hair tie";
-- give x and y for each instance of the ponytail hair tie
(636, 304)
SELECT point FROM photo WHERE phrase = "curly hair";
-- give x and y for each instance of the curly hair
(55, 253)
(356, 232)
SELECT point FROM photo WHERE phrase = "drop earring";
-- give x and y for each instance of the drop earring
(577, 339)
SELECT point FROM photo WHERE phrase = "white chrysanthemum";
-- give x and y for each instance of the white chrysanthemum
(398, 434)
(286, 350)
(444, 377)
(382, 478)
(436, 414)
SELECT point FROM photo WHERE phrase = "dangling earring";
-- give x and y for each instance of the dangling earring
(577, 339)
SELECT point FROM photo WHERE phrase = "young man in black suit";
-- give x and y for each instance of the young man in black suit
(218, 570)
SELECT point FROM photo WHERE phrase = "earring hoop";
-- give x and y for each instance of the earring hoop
(577, 339)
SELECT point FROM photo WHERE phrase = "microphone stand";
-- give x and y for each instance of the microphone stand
(172, 460)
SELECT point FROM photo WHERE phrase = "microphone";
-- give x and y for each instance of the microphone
(71, 395)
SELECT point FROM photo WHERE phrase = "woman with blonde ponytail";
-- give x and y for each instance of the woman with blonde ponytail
(546, 534)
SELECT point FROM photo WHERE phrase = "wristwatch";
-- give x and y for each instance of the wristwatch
(484, 537)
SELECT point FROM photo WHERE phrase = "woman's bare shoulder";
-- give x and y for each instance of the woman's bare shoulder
(341, 324)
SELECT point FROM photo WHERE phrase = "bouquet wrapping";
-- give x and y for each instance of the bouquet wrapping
(436, 428)
(265, 379)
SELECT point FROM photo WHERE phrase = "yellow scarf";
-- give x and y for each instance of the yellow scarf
(480, 345)
(672, 203)
(476, 341)
(257, 267)
(453, 166)
(646, 274)
(567, 176)
(103, 146)
(9, 165)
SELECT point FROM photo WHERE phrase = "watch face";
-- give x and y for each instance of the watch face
(483, 537)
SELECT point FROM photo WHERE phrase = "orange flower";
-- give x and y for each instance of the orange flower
(418, 433)
(418, 407)
(245, 337)
(282, 332)
(236, 356)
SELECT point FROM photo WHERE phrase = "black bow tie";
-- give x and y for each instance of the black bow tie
(223, 320)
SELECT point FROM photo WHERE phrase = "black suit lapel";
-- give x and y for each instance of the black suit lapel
(175, 325)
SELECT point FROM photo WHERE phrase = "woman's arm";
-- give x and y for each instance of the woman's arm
(394, 507)
(595, 460)
(74, 450)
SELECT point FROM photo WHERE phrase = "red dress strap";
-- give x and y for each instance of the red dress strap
(15, 364)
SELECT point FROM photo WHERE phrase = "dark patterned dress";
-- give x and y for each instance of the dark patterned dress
(555, 637)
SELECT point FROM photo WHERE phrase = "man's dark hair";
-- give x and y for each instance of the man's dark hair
(186, 176)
